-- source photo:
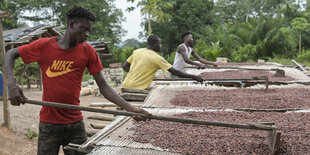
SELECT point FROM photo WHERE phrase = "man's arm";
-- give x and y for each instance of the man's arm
(202, 60)
(109, 93)
(16, 95)
(182, 51)
(184, 75)
(126, 66)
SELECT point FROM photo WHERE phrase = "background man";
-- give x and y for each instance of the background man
(143, 64)
(184, 51)
(62, 61)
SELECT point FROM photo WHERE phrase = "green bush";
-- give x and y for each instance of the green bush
(20, 66)
(122, 54)
(243, 54)
(304, 57)
(214, 51)
(280, 60)
(170, 58)
(209, 53)
(31, 134)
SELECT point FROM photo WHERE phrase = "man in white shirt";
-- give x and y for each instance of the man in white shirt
(184, 51)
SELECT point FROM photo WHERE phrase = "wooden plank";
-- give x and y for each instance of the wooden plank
(300, 66)
(273, 141)
(98, 126)
(133, 96)
(100, 49)
(101, 118)
(128, 90)
(6, 111)
(91, 132)
(54, 31)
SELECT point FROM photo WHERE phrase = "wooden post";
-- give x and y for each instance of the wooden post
(6, 111)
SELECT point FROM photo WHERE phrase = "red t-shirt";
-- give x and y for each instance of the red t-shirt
(62, 73)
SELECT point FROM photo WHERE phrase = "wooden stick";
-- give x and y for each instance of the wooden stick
(243, 68)
(128, 90)
(6, 111)
(300, 66)
(164, 118)
(91, 132)
(101, 118)
(98, 126)
(273, 141)
(188, 79)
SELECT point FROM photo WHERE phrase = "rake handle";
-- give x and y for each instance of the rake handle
(163, 118)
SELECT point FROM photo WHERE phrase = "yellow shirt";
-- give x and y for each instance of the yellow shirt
(143, 65)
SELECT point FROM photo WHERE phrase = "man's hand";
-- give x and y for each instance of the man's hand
(138, 117)
(199, 79)
(16, 95)
(202, 66)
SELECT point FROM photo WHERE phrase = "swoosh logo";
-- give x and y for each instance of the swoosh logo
(49, 73)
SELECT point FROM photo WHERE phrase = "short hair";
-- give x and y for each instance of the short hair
(185, 34)
(79, 12)
(152, 39)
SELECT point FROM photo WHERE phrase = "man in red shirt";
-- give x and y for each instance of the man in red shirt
(62, 61)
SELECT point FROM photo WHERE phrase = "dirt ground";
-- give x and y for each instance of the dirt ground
(25, 118)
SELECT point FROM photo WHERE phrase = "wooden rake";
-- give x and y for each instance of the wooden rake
(273, 138)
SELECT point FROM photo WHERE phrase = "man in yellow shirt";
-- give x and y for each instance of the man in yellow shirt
(143, 64)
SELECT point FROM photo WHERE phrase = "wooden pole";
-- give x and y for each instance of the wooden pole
(163, 118)
(6, 111)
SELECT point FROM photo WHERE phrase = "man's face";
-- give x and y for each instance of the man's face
(80, 29)
(189, 39)
(157, 45)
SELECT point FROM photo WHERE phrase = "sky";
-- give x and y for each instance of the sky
(133, 19)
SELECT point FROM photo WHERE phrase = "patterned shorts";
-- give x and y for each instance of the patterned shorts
(51, 136)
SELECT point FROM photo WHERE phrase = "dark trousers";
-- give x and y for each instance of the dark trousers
(51, 136)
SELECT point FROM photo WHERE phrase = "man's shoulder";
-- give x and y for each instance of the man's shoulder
(45, 40)
(87, 47)
(181, 47)
(140, 50)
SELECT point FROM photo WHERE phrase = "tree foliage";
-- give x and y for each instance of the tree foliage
(244, 29)
(109, 18)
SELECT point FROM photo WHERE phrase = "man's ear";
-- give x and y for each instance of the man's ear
(70, 24)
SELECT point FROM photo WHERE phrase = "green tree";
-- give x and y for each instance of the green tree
(241, 10)
(153, 10)
(107, 27)
(10, 23)
(300, 24)
(186, 16)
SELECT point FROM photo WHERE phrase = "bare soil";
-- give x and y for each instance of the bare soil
(25, 118)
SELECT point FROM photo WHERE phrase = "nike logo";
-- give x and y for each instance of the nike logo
(60, 68)
(49, 73)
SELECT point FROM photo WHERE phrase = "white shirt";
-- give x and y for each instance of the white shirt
(179, 62)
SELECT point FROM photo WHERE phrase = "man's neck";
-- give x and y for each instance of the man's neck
(186, 44)
(65, 42)
(149, 47)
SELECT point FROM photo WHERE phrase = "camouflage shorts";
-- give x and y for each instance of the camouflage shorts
(51, 136)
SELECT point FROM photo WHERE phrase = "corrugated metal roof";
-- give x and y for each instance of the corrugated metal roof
(14, 34)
